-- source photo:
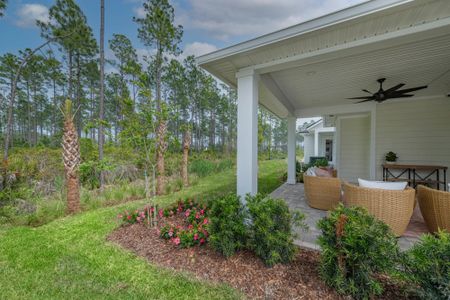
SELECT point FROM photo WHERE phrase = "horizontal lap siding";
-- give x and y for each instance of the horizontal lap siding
(417, 130)
(354, 148)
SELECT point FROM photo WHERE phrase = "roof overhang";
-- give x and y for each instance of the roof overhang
(386, 38)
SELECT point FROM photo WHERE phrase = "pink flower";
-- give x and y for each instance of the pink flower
(202, 211)
(161, 213)
(187, 213)
(190, 226)
(179, 209)
(205, 221)
(176, 241)
(197, 216)
(195, 236)
(170, 233)
(128, 217)
(202, 241)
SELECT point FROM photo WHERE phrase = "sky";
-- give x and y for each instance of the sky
(208, 24)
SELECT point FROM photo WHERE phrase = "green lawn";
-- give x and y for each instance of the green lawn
(70, 258)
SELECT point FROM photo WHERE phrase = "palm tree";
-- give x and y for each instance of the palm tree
(71, 157)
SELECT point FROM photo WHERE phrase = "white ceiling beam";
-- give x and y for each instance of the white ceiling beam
(335, 110)
(273, 88)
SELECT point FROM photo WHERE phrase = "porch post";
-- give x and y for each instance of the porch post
(291, 178)
(247, 133)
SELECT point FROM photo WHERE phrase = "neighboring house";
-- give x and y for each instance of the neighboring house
(319, 141)
(313, 68)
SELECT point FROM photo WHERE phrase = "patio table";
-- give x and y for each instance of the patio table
(415, 174)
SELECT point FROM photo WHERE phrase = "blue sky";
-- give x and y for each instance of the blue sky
(208, 24)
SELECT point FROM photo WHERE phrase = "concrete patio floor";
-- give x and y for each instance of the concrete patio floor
(294, 195)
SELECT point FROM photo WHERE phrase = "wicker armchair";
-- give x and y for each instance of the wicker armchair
(435, 208)
(394, 208)
(322, 192)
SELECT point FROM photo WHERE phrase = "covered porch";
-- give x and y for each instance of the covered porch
(311, 69)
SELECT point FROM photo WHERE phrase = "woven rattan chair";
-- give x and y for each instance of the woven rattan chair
(322, 192)
(394, 208)
(435, 208)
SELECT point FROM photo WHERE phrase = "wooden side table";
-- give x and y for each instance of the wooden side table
(413, 174)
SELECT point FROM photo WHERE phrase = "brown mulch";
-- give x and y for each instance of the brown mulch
(243, 271)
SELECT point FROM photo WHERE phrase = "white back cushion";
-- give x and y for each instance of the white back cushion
(384, 185)
(311, 171)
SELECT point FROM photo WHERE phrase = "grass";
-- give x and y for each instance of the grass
(70, 257)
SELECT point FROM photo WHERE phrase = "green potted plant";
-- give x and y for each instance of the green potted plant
(391, 157)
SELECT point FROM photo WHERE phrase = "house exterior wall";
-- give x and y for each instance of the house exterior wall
(354, 154)
(417, 130)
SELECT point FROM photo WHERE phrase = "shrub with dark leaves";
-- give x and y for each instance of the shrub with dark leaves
(227, 229)
(270, 229)
(355, 247)
(428, 266)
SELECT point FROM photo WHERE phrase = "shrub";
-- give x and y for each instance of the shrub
(428, 265)
(270, 229)
(355, 247)
(202, 167)
(227, 229)
(90, 172)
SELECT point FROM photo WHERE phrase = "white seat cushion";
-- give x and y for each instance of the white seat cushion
(383, 185)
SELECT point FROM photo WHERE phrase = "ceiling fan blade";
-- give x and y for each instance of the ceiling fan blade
(364, 90)
(412, 89)
(400, 96)
(394, 88)
(364, 97)
(364, 101)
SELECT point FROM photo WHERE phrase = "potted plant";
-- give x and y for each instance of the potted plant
(391, 157)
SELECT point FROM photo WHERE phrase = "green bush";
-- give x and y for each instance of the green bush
(428, 265)
(90, 172)
(355, 247)
(205, 167)
(270, 229)
(227, 229)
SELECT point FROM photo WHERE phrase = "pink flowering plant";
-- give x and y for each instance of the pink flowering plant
(193, 231)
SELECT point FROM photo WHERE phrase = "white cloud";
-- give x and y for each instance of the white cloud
(139, 12)
(198, 49)
(29, 13)
(231, 18)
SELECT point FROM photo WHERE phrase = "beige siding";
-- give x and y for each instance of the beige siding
(354, 154)
(417, 130)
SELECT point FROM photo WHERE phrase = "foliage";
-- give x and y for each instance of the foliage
(90, 172)
(355, 247)
(428, 266)
(227, 228)
(270, 229)
(323, 162)
(391, 156)
(204, 167)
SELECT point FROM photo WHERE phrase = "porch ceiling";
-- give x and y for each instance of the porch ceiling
(329, 83)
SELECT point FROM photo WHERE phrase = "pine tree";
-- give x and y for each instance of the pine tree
(157, 30)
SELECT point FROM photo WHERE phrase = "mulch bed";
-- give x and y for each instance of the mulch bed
(243, 271)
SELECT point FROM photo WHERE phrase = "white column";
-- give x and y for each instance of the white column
(247, 133)
(316, 142)
(291, 178)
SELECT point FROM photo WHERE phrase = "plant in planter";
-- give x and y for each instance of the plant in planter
(391, 157)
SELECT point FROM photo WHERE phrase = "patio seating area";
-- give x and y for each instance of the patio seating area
(294, 195)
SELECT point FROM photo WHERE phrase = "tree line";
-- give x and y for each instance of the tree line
(147, 103)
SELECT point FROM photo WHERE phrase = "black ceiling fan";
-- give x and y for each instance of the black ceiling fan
(392, 93)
